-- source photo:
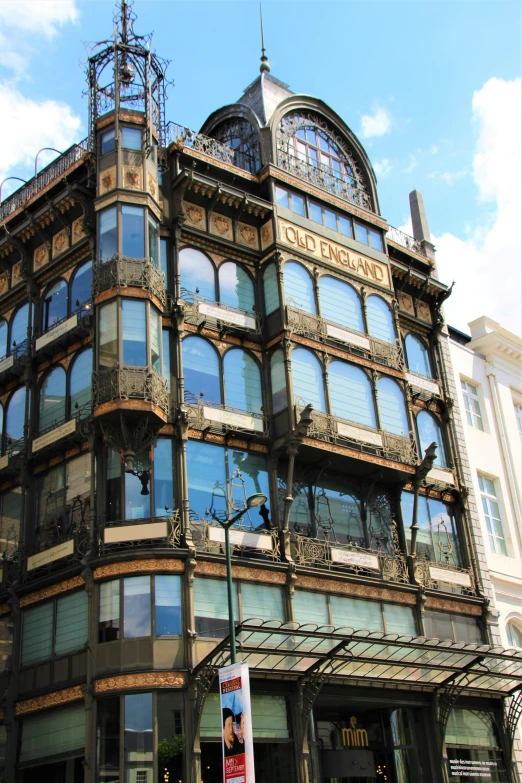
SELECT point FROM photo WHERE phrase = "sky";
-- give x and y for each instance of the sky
(432, 88)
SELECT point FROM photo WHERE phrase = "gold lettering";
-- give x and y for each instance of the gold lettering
(324, 249)
(288, 230)
(343, 257)
(348, 738)
(310, 243)
(361, 739)
(377, 272)
(354, 738)
(334, 254)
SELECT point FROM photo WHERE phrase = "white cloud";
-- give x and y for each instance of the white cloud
(382, 167)
(29, 125)
(376, 124)
(449, 177)
(38, 16)
(487, 264)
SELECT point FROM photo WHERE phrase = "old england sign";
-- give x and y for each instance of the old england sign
(323, 249)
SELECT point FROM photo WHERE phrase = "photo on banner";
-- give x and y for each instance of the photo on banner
(238, 747)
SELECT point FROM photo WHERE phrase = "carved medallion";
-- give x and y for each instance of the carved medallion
(4, 282)
(78, 231)
(406, 303)
(17, 273)
(247, 235)
(60, 242)
(132, 178)
(107, 180)
(41, 256)
(423, 311)
(152, 186)
(194, 214)
(267, 236)
(221, 224)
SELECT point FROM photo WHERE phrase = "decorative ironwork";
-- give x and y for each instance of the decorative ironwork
(44, 178)
(344, 176)
(423, 577)
(184, 138)
(250, 547)
(512, 714)
(307, 324)
(215, 417)
(122, 271)
(172, 539)
(400, 238)
(130, 383)
(240, 136)
(194, 314)
(387, 353)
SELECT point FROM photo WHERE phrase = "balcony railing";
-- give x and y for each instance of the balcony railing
(130, 383)
(316, 327)
(445, 577)
(122, 271)
(184, 138)
(400, 238)
(245, 540)
(198, 310)
(150, 533)
(214, 417)
(44, 178)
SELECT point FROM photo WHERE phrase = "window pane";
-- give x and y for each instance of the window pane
(11, 512)
(307, 379)
(270, 289)
(351, 395)
(298, 204)
(137, 489)
(165, 352)
(52, 400)
(340, 303)
(107, 141)
(155, 339)
(278, 380)
(345, 226)
(197, 274)
(380, 319)
(37, 633)
(444, 531)
(109, 622)
(136, 607)
(376, 240)
(53, 732)
(263, 601)
(138, 737)
(330, 219)
(168, 605)
(201, 369)
(315, 212)
(467, 727)
(81, 383)
(335, 506)
(361, 233)
(134, 333)
(514, 634)
(417, 356)
(399, 619)
(282, 197)
(4, 333)
(206, 476)
(107, 234)
(269, 718)
(133, 231)
(211, 607)
(54, 305)
(310, 607)
(392, 407)
(114, 468)
(81, 286)
(108, 334)
(18, 337)
(356, 613)
(430, 432)
(163, 478)
(236, 288)
(15, 417)
(164, 260)
(299, 290)
(242, 381)
(108, 740)
(154, 240)
(466, 629)
(71, 622)
(131, 138)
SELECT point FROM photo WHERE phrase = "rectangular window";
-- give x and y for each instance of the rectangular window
(154, 250)
(472, 405)
(376, 240)
(497, 539)
(282, 199)
(399, 619)
(168, 605)
(53, 732)
(361, 233)
(137, 493)
(136, 607)
(107, 234)
(163, 260)
(134, 333)
(37, 633)
(138, 737)
(133, 231)
(356, 613)
(131, 139)
(315, 212)
(71, 623)
(264, 601)
(54, 628)
(330, 219)
(311, 608)
(113, 485)
(211, 607)
(455, 627)
(109, 618)
(108, 739)
(107, 141)
(165, 351)
(155, 339)
(163, 477)
(108, 335)
(345, 226)
(298, 204)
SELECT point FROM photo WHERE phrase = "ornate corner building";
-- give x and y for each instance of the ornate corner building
(188, 318)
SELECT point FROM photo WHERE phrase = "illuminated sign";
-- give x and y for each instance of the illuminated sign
(354, 738)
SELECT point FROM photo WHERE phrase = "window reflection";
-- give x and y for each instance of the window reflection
(136, 607)
(107, 234)
(137, 489)
(201, 369)
(429, 432)
(80, 383)
(437, 537)
(163, 478)
(340, 303)
(299, 289)
(133, 231)
(138, 737)
(15, 417)
(417, 356)
(81, 286)
(197, 274)
(54, 305)
(236, 288)
(392, 407)
(4, 330)
(168, 605)
(134, 333)
(307, 379)
(278, 381)
(351, 395)
(52, 400)
(108, 740)
(242, 381)
(380, 319)
(18, 336)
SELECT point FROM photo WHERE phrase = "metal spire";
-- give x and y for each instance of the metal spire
(265, 65)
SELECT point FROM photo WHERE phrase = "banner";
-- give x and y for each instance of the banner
(236, 722)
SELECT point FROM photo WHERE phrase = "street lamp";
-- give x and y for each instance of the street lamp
(254, 501)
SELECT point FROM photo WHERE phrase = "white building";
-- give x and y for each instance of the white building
(488, 374)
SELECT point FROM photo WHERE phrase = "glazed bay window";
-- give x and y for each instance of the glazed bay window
(146, 492)
(139, 606)
(250, 599)
(130, 334)
(54, 628)
(356, 613)
(437, 537)
(129, 230)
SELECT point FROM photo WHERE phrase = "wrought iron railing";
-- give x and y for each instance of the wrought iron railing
(124, 271)
(445, 577)
(122, 382)
(84, 314)
(245, 539)
(17, 352)
(79, 413)
(405, 240)
(150, 533)
(197, 310)
(184, 138)
(325, 178)
(44, 178)
(215, 417)
(316, 327)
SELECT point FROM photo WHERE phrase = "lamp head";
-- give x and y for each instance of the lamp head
(254, 501)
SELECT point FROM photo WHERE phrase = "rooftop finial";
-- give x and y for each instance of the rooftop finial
(265, 65)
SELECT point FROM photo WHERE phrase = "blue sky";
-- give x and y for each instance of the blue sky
(432, 89)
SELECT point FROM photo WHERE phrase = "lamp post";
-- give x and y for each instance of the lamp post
(254, 501)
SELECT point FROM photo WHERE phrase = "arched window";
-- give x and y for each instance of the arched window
(52, 399)
(299, 289)
(392, 407)
(4, 331)
(54, 305)
(242, 381)
(307, 379)
(15, 416)
(351, 396)
(380, 319)
(80, 383)
(197, 274)
(514, 633)
(270, 289)
(429, 431)
(236, 288)
(81, 287)
(417, 356)
(241, 137)
(18, 336)
(278, 381)
(340, 303)
(201, 369)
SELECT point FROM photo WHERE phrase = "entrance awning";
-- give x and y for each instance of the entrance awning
(295, 651)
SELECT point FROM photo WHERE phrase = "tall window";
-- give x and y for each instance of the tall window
(278, 381)
(518, 415)
(236, 288)
(18, 337)
(417, 356)
(197, 274)
(15, 417)
(380, 319)
(270, 289)
(429, 431)
(201, 369)
(299, 289)
(139, 606)
(80, 383)
(81, 286)
(134, 333)
(54, 305)
(242, 380)
(107, 234)
(241, 137)
(4, 331)
(52, 399)
(210, 604)
(514, 634)
(472, 405)
(132, 231)
(488, 493)
(437, 538)
(307, 379)
(351, 395)
(340, 303)
(392, 407)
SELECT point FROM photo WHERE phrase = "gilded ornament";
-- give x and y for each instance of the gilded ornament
(54, 699)
(152, 185)
(248, 235)
(132, 179)
(60, 242)
(41, 256)
(172, 565)
(221, 224)
(125, 682)
(194, 214)
(78, 230)
(48, 592)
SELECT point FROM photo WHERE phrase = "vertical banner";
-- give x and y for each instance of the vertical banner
(236, 722)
